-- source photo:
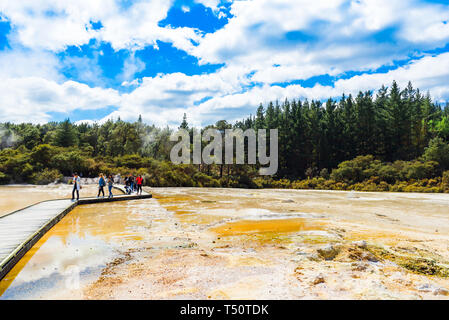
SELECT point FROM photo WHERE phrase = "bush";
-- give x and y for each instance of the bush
(356, 170)
(47, 176)
(204, 180)
(94, 167)
(324, 173)
(133, 161)
(438, 151)
(70, 161)
(281, 184)
(445, 181)
(230, 182)
(42, 154)
(388, 173)
(27, 171)
(418, 170)
(4, 178)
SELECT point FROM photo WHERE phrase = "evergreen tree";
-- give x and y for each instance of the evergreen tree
(66, 134)
(184, 125)
(260, 118)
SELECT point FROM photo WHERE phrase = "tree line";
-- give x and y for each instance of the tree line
(393, 125)
(392, 136)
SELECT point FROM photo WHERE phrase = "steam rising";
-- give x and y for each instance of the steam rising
(7, 137)
(156, 142)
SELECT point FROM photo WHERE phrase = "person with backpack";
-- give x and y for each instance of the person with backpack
(101, 185)
(127, 184)
(110, 184)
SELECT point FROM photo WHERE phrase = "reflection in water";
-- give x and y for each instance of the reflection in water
(80, 245)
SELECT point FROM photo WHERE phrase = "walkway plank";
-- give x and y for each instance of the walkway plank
(21, 229)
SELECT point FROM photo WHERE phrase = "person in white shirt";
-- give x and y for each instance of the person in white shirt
(76, 187)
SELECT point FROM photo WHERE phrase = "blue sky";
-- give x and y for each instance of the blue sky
(212, 59)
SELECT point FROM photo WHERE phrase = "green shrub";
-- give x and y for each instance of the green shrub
(438, 151)
(388, 173)
(445, 179)
(46, 176)
(26, 171)
(133, 161)
(324, 173)
(203, 180)
(69, 162)
(281, 184)
(41, 155)
(418, 170)
(356, 170)
(4, 178)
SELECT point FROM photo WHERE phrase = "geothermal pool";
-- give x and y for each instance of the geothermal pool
(15, 197)
(189, 243)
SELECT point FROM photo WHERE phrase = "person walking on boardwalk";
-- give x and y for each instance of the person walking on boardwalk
(110, 184)
(76, 187)
(127, 185)
(101, 185)
(132, 183)
(139, 181)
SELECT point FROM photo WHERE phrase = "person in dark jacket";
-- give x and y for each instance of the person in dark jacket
(127, 182)
(132, 183)
(101, 185)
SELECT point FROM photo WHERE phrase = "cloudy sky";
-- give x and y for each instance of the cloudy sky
(213, 59)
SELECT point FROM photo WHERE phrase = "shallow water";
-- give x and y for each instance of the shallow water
(16, 197)
(272, 226)
(78, 249)
(220, 243)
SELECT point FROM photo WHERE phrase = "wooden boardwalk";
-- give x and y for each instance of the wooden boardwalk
(21, 229)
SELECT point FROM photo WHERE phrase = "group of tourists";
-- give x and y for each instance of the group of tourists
(102, 182)
(132, 184)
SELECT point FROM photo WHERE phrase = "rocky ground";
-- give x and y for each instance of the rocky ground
(285, 244)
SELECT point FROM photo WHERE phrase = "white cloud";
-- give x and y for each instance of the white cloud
(205, 98)
(29, 99)
(85, 69)
(429, 73)
(54, 25)
(338, 36)
(138, 27)
(332, 37)
(25, 63)
(376, 14)
(131, 66)
(213, 4)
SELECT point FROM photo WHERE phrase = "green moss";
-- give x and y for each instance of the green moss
(425, 266)
(419, 265)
